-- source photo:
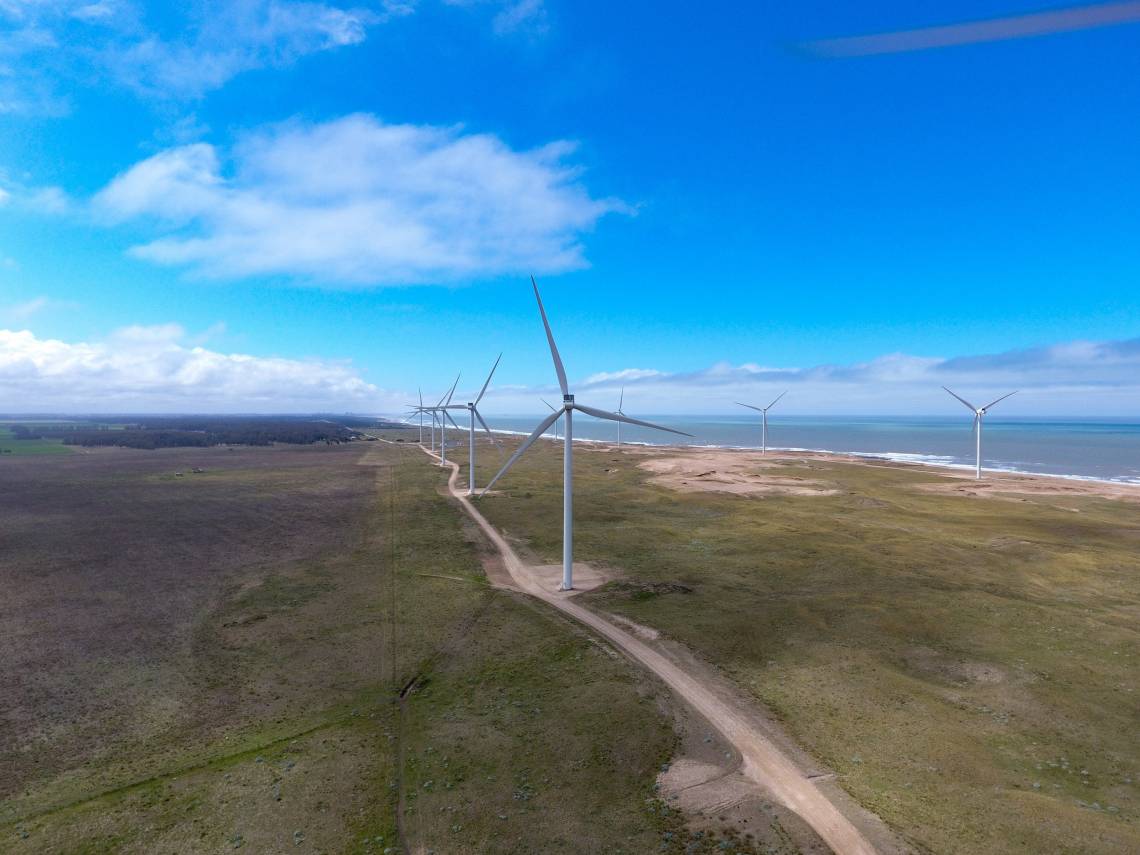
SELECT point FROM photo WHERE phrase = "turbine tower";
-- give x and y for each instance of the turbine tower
(569, 405)
(978, 412)
(444, 418)
(764, 413)
(473, 413)
(438, 412)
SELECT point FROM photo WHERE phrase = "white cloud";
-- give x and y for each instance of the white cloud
(100, 11)
(214, 330)
(359, 201)
(21, 312)
(626, 375)
(38, 200)
(1078, 378)
(238, 37)
(521, 15)
(54, 45)
(48, 200)
(154, 369)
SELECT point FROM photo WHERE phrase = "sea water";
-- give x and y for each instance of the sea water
(1097, 448)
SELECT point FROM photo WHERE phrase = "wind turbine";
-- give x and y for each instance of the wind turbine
(556, 434)
(978, 412)
(567, 410)
(421, 391)
(621, 400)
(444, 418)
(438, 412)
(764, 412)
(473, 413)
(421, 409)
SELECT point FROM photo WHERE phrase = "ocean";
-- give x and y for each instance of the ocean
(1104, 449)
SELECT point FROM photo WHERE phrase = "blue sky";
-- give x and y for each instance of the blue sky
(258, 206)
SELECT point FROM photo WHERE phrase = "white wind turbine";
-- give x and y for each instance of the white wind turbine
(621, 400)
(978, 412)
(556, 433)
(421, 411)
(568, 408)
(438, 412)
(764, 413)
(473, 413)
(444, 418)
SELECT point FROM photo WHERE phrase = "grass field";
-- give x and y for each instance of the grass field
(297, 650)
(968, 666)
(20, 447)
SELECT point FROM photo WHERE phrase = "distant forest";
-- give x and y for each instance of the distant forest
(202, 431)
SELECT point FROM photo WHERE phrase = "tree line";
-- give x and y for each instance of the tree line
(183, 432)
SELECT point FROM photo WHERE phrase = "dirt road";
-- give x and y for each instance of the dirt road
(763, 763)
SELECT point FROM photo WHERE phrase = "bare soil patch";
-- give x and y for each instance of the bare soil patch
(740, 472)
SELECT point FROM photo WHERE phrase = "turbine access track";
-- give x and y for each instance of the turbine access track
(763, 761)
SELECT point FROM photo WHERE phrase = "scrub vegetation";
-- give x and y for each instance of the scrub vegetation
(967, 665)
(296, 649)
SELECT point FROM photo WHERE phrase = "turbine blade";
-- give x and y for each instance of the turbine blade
(538, 431)
(450, 419)
(1002, 398)
(757, 409)
(421, 391)
(453, 385)
(547, 403)
(550, 338)
(973, 409)
(621, 398)
(621, 417)
(489, 376)
(479, 416)
(778, 397)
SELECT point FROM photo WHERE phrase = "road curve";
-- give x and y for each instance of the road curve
(763, 763)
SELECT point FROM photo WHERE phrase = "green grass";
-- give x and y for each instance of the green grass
(10, 447)
(969, 667)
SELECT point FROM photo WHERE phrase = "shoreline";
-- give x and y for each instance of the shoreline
(935, 462)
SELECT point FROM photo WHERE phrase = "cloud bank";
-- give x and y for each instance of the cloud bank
(158, 369)
(359, 201)
(1079, 378)
(165, 369)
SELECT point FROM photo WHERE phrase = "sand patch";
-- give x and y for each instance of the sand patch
(740, 473)
(1013, 487)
